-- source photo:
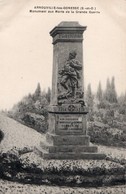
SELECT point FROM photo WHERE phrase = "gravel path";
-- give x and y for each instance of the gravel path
(16, 188)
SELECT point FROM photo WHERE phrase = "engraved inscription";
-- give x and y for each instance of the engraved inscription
(70, 36)
(67, 36)
(68, 122)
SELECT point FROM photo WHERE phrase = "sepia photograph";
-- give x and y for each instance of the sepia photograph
(62, 97)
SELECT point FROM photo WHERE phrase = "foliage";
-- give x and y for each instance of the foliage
(110, 94)
(107, 91)
(10, 164)
(32, 110)
(37, 95)
(99, 94)
(89, 97)
(113, 91)
(122, 103)
(107, 126)
(35, 121)
(110, 112)
(105, 135)
(48, 95)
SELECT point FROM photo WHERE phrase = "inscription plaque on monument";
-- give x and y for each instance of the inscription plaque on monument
(67, 133)
(69, 123)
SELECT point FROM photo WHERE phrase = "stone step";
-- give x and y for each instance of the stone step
(68, 139)
(68, 148)
(69, 155)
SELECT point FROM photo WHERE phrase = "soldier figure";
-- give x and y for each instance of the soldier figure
(70, 74)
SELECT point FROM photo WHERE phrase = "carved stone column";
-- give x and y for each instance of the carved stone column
(67, 134)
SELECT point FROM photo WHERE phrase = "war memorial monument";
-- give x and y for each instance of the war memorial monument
(67, 133)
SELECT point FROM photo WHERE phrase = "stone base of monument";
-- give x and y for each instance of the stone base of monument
(67, 137)
(68, 147)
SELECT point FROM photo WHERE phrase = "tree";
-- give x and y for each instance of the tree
(89, 96)
(37, 94)
(99, 94)
(122, 104)
(107, 91)
(110, 94)
(48, 94)
(122, 99)
(113, 98)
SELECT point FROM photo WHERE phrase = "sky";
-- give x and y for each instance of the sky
(26, 50)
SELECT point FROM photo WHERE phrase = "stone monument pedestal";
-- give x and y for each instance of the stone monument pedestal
(67, 138)
(67, 134)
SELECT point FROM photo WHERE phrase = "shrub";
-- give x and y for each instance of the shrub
(10, 164)
(35, 121)
(106, 136)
